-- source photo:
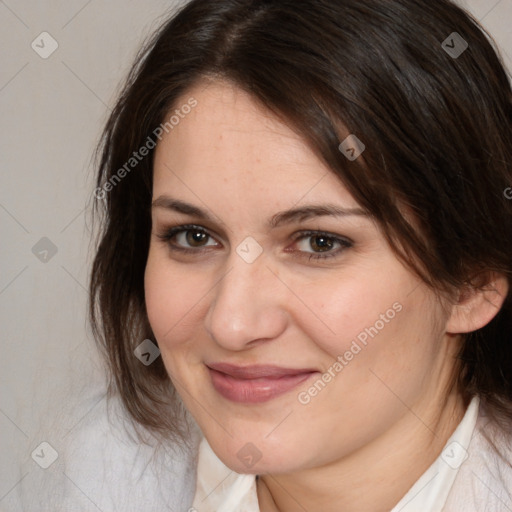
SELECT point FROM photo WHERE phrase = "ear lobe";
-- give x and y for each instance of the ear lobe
(478, 305)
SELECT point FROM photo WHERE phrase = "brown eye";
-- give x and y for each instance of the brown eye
(188, 238)
(321, 243)
(318, 245)
(196, 238)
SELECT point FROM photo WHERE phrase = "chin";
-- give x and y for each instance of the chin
(257, 457)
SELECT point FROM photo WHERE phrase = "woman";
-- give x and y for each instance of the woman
(307, 219)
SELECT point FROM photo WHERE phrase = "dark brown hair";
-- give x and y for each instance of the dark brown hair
(438, 136)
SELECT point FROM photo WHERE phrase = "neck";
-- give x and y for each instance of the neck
(377, 476)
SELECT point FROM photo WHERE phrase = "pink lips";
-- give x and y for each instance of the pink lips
(255, 384)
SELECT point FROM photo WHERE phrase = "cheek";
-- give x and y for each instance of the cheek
(174, 298)
(395, 342)
(372, 327)
(358, 308)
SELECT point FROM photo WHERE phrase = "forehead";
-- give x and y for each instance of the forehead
(230, 143)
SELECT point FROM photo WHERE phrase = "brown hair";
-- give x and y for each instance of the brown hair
(438, 134)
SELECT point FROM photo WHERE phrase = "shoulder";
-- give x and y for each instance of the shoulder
(484, 480)
(102, 465)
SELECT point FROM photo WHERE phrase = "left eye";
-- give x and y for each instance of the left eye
(318, 243)
(321, 244)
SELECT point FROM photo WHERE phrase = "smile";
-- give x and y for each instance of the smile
(255, 384)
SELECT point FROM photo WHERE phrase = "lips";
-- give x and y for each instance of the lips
(257, 383)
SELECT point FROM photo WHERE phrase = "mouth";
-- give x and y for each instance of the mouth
(255, 384)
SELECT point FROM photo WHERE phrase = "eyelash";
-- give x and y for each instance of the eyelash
(168, 234)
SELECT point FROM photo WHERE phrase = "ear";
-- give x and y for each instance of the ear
(478, 304)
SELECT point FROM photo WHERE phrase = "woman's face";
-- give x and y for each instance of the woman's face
(292, 332)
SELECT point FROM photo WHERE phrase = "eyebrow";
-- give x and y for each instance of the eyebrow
(281, 218)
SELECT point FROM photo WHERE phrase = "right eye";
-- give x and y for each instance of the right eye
(187, 238)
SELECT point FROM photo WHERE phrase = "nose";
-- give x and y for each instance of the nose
(247, 307)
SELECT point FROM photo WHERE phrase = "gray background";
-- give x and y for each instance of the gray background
(52, 112)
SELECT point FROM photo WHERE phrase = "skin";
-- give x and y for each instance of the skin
(379, 424)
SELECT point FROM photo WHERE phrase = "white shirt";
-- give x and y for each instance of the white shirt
(102, 466)
(467, 477)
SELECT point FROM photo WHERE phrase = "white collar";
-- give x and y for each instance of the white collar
(431, 490)
(219, 489)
